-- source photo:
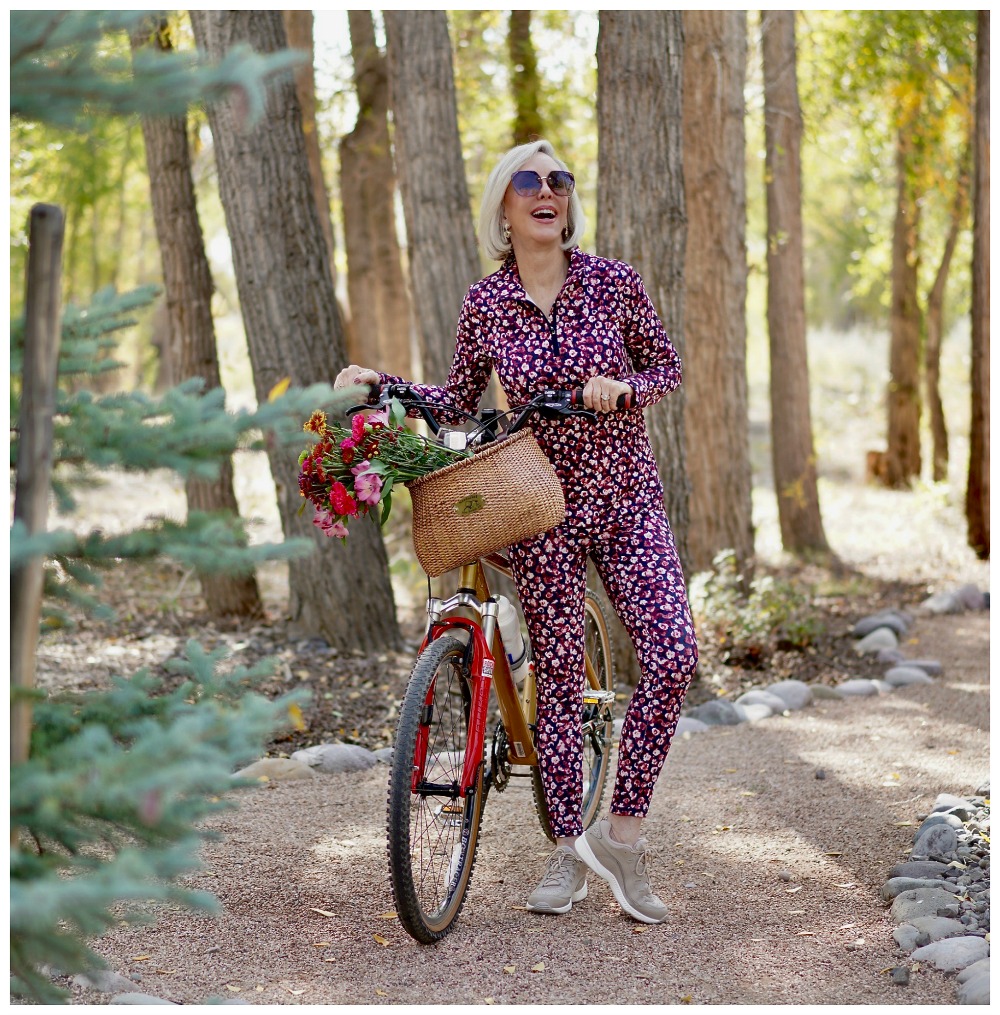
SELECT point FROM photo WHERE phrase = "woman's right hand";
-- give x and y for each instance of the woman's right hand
(355, 375)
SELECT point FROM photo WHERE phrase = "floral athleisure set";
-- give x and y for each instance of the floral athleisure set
(602, 322)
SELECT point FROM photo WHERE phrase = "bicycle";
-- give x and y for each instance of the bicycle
(441, 772)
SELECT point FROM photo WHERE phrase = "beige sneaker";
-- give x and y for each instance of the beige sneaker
(565, 882)
(625, 870)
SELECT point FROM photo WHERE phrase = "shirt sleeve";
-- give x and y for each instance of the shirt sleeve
(467, 379)
(655, 362)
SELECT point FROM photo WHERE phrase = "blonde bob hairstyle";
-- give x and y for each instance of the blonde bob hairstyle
(491, 216)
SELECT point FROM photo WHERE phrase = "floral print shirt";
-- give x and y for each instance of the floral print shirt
(602, 322)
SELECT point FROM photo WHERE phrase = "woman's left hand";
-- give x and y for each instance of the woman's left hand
(602, 393)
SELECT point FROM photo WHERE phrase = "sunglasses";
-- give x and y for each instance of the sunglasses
(527, 183)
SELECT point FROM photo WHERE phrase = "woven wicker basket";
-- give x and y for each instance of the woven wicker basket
(503, 494)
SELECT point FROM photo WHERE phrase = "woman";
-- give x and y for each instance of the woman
(555, 317)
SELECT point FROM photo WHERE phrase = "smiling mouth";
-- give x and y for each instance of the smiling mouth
(544, 214)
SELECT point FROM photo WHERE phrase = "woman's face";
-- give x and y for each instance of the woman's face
(541, 218)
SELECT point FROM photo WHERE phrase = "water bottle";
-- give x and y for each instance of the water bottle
(513, 643)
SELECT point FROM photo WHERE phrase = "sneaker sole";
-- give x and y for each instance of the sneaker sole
(577, 896)
(586, 854)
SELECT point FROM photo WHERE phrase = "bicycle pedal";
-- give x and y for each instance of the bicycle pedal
(450, 813)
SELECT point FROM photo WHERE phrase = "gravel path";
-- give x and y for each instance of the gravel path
(773, 874)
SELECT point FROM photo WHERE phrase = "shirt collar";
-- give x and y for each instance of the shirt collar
(507, 280)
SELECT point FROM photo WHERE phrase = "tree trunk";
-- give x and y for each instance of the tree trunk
(293, 327)
(903, 452)
(794, 460)
(380, 305)
(439, 231)
(977, 495)
(299, 32)
(525, 83)
(188, 283)
(715, 285)
(935, 328)
(640, 212)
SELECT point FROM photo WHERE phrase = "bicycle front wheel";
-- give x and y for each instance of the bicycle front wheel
(597, 683)
(433, 832)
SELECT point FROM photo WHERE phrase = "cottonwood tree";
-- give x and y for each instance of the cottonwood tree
(641, 214)
(376, 286)
(187, 280)
(525, 83)
(977, 497)
(715, 284)
(440, 235)
(792, 454)
(294, 330)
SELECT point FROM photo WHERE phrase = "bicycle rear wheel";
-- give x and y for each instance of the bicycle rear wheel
(433, 832)
(598, 719)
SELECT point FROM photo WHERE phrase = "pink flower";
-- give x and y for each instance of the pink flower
(330, 525)
(367, 485)
(380, 418)
(347, 451)
(341, 501)
(357, 427)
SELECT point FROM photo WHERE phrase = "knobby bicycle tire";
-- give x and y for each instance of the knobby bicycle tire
(597, 733)
(432, 833)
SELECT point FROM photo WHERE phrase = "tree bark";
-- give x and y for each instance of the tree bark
(715, 284)
(793, 457)
(376, 286)
(903, 452)
(641, 215)
(977, 495)
(293, 327)
(188, 283)
(935, 329)
(439, 230)
(524, 80)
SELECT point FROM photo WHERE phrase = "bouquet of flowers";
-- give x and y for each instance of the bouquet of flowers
(348, 473)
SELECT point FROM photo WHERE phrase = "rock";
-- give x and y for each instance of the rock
(901, 976)
(866, 625)
(976, 990)
(716, 713)
(971, 597)
(936, 928)
(755, 713)
(930, 666)
(943, 602)
(904, 676)
(272, 770)
(953, 804)
(794, 693)
(917, 902)
(881, 637)
(953, 953)
(895, 886)
(857, 688)
(760, 697)
(938, 818)
(133, 998)
(970, 972)
(687, 726)
(939, 839)
(882, 687)
(907, 937)
(384, 754)
(925, 869)
(820, 774)
(889, 655)
(821, 692)
(105, 980)
(334, 758)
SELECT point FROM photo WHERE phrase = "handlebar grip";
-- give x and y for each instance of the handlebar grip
(625, 401)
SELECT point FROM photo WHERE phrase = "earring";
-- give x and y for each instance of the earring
(565, 233)
(505, 232)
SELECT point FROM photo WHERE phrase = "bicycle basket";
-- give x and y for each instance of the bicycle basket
(503, 494)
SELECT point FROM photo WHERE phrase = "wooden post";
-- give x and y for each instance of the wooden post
(34, 459)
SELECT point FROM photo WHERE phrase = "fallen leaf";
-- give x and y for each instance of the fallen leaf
(332, 959)
(747, 793)
(904, 824)
(381, 940)
(686, 999)
(805, 933)
(295, 993)
(509, 969)
(954, 752)
(141, 958)
(792, 891)
(391, 915)
(235, 990)
(847, 926)
(522, 909)
(279, 389)
(166, 972)
(260, 990)
(381, 992)
(295, 714)
(730, 771)
(321, 944)
(846, 884)
(538, 967)
(833, 854)
(488, 1000)
(796, 912)
(639, 930)
(322, 912)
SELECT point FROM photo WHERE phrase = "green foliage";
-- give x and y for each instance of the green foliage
(749, 620)
(105, 810)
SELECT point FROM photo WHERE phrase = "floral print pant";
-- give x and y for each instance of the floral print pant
(638, 564)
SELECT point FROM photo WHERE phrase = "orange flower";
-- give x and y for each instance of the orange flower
(316, 423)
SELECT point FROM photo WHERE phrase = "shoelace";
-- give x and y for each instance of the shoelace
(560, 865)
(642, 872)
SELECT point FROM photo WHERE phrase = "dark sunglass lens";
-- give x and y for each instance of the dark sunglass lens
(526, 182)
(561, 182)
